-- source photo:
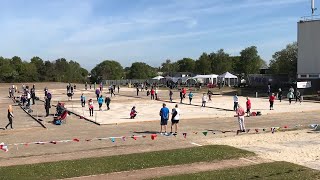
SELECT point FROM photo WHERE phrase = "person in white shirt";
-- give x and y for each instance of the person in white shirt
(175, 119)
(204, 100)
(235, 102)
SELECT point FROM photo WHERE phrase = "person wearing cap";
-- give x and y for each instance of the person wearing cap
(133, 113)
(10, 116)
(164, 114)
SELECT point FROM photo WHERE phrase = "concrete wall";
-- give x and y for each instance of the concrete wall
(309, 49)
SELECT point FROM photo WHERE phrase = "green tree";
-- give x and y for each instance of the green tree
(186, 65)
(140, 70)
(203, 64)
(107, 69)
(220, 62)
(168, 67)
(250, 62)
(285, 61)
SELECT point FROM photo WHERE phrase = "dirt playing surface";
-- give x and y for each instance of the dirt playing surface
(27, 130)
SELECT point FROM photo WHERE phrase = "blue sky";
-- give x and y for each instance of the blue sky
(150, 31)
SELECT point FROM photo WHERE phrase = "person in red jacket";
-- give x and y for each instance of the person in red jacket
(271, 100)
(248, 103)
(152, 93)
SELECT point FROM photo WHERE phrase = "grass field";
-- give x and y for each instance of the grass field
(274, 170)
(100, 165)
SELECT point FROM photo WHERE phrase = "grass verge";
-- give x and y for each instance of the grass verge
(273, 170)
(108, 164)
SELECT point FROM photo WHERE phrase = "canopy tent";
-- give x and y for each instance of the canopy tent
(158, 78)
(210, 78)
(228, 77)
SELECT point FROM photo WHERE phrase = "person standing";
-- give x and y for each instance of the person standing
(90, 85)
(248, 104)
(280, 94)
(86, 86)
(83, 100)
(204, 100)
(290, 96)
(98, 93)
(181, 96)
(298, 96)
(118, 89)
(137, 90)
(164, 114)
(271, 100)
(90, 107)
(190, 97)
(175, 119)
(100, 102)
(235, 102)
(107, 101)
(184, 92)
(240, 115)
(47, 105)
(209, 95)
(152, 94)
(10, 116)
(156, 93)
(170, 95)
(28, 98)
(112, 91)
(269, 89)
(33, 95)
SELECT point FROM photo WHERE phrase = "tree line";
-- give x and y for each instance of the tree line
(15, 70)
(61, 70)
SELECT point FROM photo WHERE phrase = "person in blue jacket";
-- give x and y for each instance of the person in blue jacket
(100, 102)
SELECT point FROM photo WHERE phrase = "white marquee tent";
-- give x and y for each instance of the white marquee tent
(210, 78)
(228, 77)
(158, 78)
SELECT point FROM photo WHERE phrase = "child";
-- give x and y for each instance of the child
(90, 107)
(190, 97)
(248, 103)
(133, 113)
(271, 100)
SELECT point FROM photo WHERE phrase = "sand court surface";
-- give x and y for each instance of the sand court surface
(294, 146)
(148, 110)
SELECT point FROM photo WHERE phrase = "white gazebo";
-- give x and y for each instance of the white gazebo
(158, 78)
(228, 77)
(210, 78)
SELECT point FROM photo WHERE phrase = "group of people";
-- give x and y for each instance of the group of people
(164, 115)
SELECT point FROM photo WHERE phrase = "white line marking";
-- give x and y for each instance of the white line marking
(196, 144)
